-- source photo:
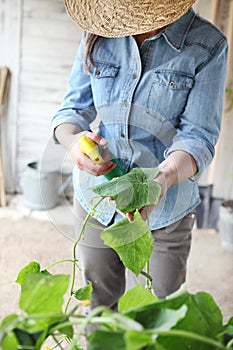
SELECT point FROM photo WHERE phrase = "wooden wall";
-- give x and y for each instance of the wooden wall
(47, 41)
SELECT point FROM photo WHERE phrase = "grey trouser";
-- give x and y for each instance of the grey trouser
(102, 266)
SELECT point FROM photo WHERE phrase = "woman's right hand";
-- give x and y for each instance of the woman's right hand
(83, 162)
(68, 134)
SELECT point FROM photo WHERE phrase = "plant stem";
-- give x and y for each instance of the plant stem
(58, 342)
(59, 262)
(148, 284)
(189, 335)
(74, 250)
(98, 310)
(230, 344)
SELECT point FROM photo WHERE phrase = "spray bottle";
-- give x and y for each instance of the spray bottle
(91, 149)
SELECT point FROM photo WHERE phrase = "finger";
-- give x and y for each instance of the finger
(130, 217)
(96, 138)
(109, 166)
(106, 155)
(95, 169)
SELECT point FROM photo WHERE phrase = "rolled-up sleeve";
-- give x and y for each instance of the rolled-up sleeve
(200, 122)
(77, 106)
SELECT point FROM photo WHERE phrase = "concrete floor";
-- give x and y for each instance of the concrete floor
(43, 236)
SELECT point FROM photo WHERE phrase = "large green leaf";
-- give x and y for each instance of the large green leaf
(133, 190)
(132, 241)
(203, 317)
(43, 294)
(137, 340)
(42, 299)
(135, 297)
(106, 340)
(32, 267)
(166, 319)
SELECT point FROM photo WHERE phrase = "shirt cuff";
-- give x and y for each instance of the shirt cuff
(80, 122)
(201, 154)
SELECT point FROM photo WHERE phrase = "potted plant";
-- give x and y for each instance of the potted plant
(181, 321)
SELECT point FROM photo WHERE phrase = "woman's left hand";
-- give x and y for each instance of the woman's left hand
(147, 210)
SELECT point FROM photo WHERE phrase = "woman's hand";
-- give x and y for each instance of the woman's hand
(147, 210)
(177, 167)
(68, 134)
(83, 162)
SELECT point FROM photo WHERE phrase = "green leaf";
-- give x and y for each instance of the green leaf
(137, 340)
(132, 241)
(135, 297)
(43, 294)
(165, 320)
(8, 340)
(133, 190)
(8, 322)
(27, 338)
(228, 90)
(105, 340)
(84, 293)
(203, 317)
(227, 334)
(32, 267)
(162, 319)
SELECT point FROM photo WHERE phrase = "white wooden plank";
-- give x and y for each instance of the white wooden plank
(51, 29)
(10, 56)
(42, 80)
(49, 43)
(53, 9)
(42, 47)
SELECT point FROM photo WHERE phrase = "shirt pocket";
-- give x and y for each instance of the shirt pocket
(168, 94)
(103, 76)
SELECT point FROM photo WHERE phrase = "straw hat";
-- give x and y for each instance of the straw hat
(116, 18)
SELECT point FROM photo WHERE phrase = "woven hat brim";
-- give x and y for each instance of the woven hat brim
(117, 18)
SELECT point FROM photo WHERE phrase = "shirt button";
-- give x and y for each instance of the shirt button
(122, 135)
(126, 104)
(134, 76)
(172, 84)
(97, 72)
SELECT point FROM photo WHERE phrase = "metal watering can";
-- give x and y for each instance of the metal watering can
(42, 185)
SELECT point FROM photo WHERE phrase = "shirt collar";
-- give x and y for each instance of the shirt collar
(176, 33)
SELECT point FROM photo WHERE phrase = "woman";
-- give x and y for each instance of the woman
(153, 74)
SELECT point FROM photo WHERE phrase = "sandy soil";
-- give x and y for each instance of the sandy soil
(25, 238)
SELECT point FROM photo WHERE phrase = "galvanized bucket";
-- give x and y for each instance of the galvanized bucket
(41, 186)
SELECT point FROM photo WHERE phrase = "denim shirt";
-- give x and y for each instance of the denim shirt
(163, 96)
